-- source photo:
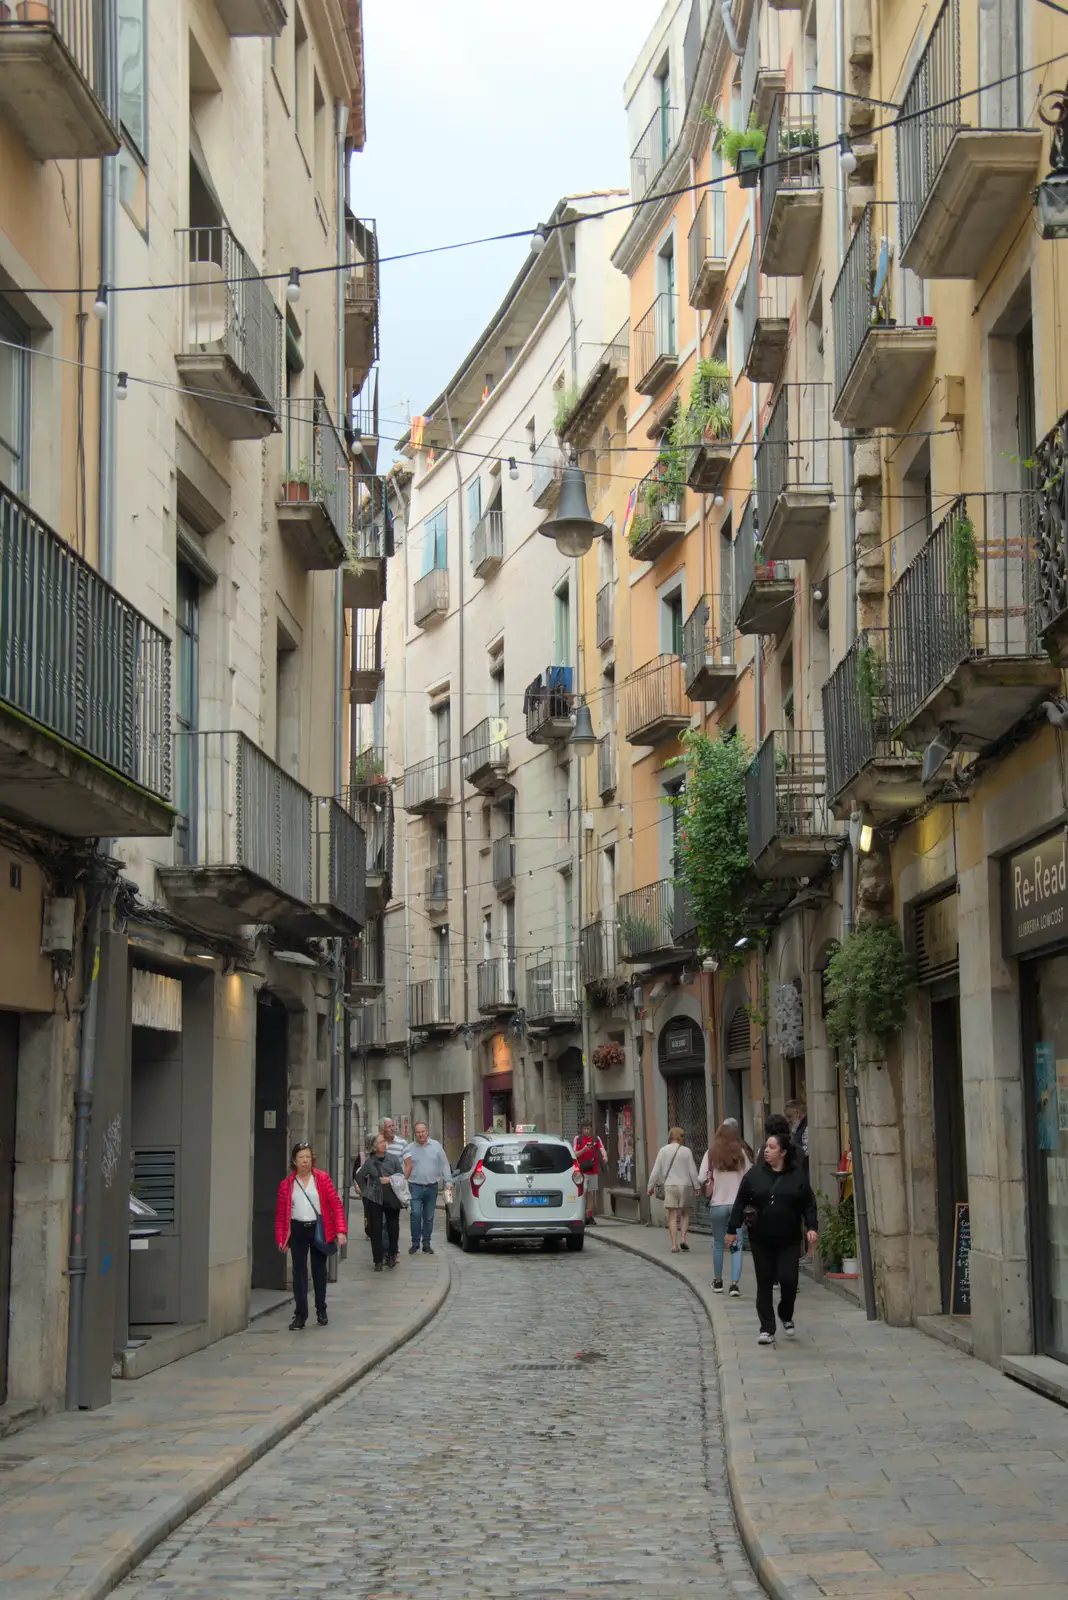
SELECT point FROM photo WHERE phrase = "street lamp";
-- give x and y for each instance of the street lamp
(573, 528)
(582, 738)
(1051, 196)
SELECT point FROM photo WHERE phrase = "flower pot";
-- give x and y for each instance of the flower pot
(748, 169)
(34, 11)
(925, 322)
(849, 1267)
(292, 490)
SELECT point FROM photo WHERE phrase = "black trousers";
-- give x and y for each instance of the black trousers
(385, 1229)
(775, 1264)
(301, 1235)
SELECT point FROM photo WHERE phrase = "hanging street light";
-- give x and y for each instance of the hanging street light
(573, 528)
(582, 738)
(1051, 196)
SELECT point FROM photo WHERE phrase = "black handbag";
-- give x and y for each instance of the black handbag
(325, 1246)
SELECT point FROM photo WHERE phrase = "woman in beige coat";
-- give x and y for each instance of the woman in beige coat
(676, 1169)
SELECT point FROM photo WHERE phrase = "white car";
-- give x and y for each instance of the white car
(517, 1186)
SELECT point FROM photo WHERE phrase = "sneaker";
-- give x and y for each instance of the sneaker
(717, 1285)
(789, 1329)
(766, 1338)
(734, 1292)
(296, 1325)
(684, 1247)
(321, 1318)
(428, 1249)
(391, 1261)
(414, 1251)
(378, 1266)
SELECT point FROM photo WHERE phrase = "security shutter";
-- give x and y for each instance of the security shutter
(155, 1181)
(933, 964)
(573, 1098)
(738, 1041)
(687, 1108)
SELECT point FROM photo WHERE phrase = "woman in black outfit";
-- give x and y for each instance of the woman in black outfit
(372, 1180)
(778, 1199)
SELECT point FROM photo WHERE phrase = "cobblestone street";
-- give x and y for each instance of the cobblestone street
(485, 1459)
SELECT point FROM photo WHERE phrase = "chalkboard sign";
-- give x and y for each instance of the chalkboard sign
(960, 1303)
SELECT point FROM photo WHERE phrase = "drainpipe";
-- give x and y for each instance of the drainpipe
(860, 1193)
(342, 122)
(404, 759)
(843, 235)
(77, 1261)
(460, 694)
(729, 29)
(106, 454)
(566, 269)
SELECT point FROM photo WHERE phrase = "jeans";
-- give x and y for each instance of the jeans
(301, 1235)
(385, 1229)
(424, 1200)
(719, 1217)
(775, 1263)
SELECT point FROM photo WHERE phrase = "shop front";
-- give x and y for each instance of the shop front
(938, 970)
(1035, 931)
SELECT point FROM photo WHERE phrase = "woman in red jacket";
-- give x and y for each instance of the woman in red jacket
(303, 1197)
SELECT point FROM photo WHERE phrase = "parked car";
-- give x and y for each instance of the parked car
(517, 1186)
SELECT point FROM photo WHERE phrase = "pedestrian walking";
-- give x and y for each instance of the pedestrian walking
(723, 1166)
(383, 1204)
(592, 1157)
(425, 1166)
(774, 1199)
(674, 1180)
(796, 1114)
(395, 1145)
(309, 1221)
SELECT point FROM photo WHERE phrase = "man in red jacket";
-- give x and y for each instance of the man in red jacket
(591, 1156)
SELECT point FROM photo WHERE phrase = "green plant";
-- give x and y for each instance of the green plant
(871, 685)
(712, 851)
(867, 984)
(303, 472)
(564, 402)
(366, 767)
(797, 138)
(728, 141)
(709, 413)
(638, 934)
(838, 1231)
(963, 560)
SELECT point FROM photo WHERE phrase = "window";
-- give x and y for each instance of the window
(671, 623)
(287, 702)
(497, 696)
(186, 701)
(442, 737)
(444, 979)
(672, 791)
(300, 71)
(384, 1094)
(133, 98)
(435, 542)
(321, 136)
(474, 514)
(562, 617)
(663, 99)
(519, 1160)
(487, 935)
(14, 402)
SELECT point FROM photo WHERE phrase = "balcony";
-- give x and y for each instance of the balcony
(552, 989)
(504, 866)
(85, 693)
(249, 19)
(313, 499)
(370, 545)
(606, 615)
(685, 930)
(607, 765)
(230, 341)
(708, 250)
(549, 706)
(430, 597)
(436, 889)
(793, 473)
(484, 755)
(367, 967)
(654, 343)
(709, 455)
(966, 161)
(764, 590)
(791, 831)
(599, 952)
(361, 297)
(866, 766)
(965, 639)
(495, 983)
(339, 858)
(763, 67)
(658, 520)
(655, 703)
(245, 838)
(57, 78)
(487, 544)
(765, 326)
(605, 384)
(369, 1028)
(546, 473)
(363, 418)
(791, 196)
(427, 786)
(366, 671)
(645, 924)
(371, 802)
(1051, 518)
(430, 1004)
(652, 150)
(884, 339)
(708, 649)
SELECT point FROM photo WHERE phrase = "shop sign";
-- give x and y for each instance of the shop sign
(1035, 895)
(155, 1001)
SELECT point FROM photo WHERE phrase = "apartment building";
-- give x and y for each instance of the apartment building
(176, 493)
(480, 1021)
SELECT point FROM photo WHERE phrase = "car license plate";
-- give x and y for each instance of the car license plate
(530, 1199)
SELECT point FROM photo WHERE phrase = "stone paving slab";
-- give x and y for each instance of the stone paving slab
(84, 1496)
(870, 1460)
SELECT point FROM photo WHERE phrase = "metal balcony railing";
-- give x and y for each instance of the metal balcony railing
(369, 1027)
(708, 233)
(89, 35)
(244, 811)
(794, 451)
(708, 635)
(361, 254)
(364, 414)
(786, 790)
(598, 951)
(430, 596)
(652, 150)
(548, 703)
(436, 885)
(369, 766)
(504, 862)
(427, 783)
(429, 1002)
(607, 764)
(372, 519)
(546, 469)
(940, 98)
(77, 658)
(368, 955)
(1051, 519)
(487, 542)
(227, 307)
(339, 860)
(655, 693)
(316, 464)
(873, 289)
(495, 983)
(484, 746)
(551, 985)
(367, 645)
(749, 566)
(791, 161)
(606, 607)
(972, 593)
(763, 54)
(857, 716)
(645, 920)
(765, 319)
(655, 337)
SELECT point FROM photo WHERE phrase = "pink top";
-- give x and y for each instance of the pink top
(725, 1185)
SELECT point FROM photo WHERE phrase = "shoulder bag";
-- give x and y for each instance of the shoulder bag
(660, 1188)
(325, 1247)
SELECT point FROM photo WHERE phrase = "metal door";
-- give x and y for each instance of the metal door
(269, 1160)
(687, 1108)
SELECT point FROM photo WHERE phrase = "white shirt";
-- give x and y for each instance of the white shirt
(306, 1205)
(396, 1147)
(725, 1185)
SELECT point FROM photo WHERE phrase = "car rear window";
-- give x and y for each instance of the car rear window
(519, 1159)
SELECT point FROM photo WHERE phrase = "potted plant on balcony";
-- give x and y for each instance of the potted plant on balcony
(743, 148)
(609, 1055)
(709, 415)
(301, 484)
(963, 561)
(638, 934)
(871, 687)
(368, 768)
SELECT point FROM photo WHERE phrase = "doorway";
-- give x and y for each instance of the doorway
(497, 1105)
(951, 1155)
(9, 1070)
(269, 1154)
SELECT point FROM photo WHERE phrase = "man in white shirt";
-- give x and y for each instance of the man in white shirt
(395, 1146)
(425, 1166)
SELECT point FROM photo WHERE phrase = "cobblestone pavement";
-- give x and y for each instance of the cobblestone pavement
(486, 1461)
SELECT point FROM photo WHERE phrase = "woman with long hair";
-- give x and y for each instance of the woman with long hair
(675, 1172)
(774, 1199)
(723, 1166)
(305, 1196)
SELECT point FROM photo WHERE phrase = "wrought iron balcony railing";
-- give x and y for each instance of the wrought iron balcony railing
(504, 863)
(546, 471)
(599, 952)
(430, 1002)
(791, 162)
(339, 863)
(496, 984)
(484, 746)
(645, 920)
(794, 454)
(430, 596)
(654, 701)
(874, 291)
(372, 518)
(791, 829)
(1051, 519)
(765, 324)
(607, 764)
(658, 515)
(551, 986)
(857, 716)
(368, 971)
(606, 607)
(549, 706)
(369, 1026)
(315, 483)
(361, 254)
(707, 247)
(708, 646)
(58, 79)
(229, 314)
(487, 543)
(654, 343)
(652, 150)
(428, 784)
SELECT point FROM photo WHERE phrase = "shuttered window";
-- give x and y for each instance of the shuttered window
(155, 1181)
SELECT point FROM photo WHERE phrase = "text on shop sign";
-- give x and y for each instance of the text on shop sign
(1036, 895)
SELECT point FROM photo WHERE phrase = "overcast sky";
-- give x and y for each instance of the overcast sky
(480, 115)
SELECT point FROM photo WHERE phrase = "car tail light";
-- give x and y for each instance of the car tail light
(478, 1177)
(578, 1177)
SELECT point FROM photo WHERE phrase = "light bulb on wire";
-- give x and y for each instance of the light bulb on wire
(847, 159)
(538, 238)
(122, 385)
(513, 470)
(293, 286)
(100, 304)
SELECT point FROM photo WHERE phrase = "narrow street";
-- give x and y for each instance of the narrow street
(554, 1432)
